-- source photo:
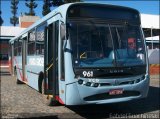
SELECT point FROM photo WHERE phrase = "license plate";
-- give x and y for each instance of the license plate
(116, 92)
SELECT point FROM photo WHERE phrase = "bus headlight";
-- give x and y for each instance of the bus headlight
(140, 79)
(143, 77)
(88, 84)
(137, 80)
(80, 81)
(96, 85)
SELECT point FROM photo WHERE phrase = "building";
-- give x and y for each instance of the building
(8, 32)
(26, 21)
(151, 28)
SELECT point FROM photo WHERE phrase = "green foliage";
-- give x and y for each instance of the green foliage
(31, 5)
(14, 19)
(57, 2)
(49, 3)
(46, 7)
(1, 20)
(60, 2)
(69, 1)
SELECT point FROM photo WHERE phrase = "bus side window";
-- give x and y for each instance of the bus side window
(40, 39)
(31, 43)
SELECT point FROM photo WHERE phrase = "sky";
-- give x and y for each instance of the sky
(144, 6)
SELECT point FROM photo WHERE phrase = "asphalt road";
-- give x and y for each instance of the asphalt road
(21, 101)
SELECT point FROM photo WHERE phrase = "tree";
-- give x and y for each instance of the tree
(14, 19)
(1, 20)
(46, 7)
(31, 5)
(57, 2)
(49, 3)
(60, 2)
(69, 1)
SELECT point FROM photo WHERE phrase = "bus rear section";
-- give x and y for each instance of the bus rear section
(105, 55)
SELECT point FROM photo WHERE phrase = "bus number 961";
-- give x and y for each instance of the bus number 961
(88, 73)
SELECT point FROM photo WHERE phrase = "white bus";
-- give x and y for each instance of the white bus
(84, 53)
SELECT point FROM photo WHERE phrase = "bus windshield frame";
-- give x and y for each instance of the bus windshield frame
(103, 44)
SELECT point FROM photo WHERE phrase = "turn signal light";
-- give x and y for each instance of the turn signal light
(80, 81)
(88, 84)
(96, 85)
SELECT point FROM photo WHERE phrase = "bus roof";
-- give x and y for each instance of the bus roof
(62, 10)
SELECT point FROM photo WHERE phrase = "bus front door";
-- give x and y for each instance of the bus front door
(51, 60)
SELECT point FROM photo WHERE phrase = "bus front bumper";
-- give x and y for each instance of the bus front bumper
(80, 94)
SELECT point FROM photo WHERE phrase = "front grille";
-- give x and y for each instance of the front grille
(115, 83)
(104, 96)
(127, 82)
(105, 84)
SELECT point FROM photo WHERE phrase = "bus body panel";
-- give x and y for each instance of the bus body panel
(69, 74)
(62, 91)
(69, 77)
(18, 67)
(79, 92)
(33, 68)
(32, 80)
(72, 95)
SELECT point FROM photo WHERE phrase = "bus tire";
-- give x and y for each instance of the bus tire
(18, 81)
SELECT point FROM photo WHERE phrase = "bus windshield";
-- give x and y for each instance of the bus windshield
(106, 45)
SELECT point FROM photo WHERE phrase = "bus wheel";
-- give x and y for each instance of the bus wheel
(48, 99)
(18, 81)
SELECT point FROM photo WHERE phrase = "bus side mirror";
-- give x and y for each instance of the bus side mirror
(62, 31)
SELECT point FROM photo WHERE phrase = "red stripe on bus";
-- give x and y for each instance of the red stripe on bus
(59, 99)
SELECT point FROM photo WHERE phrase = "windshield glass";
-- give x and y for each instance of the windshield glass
(105, 45)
